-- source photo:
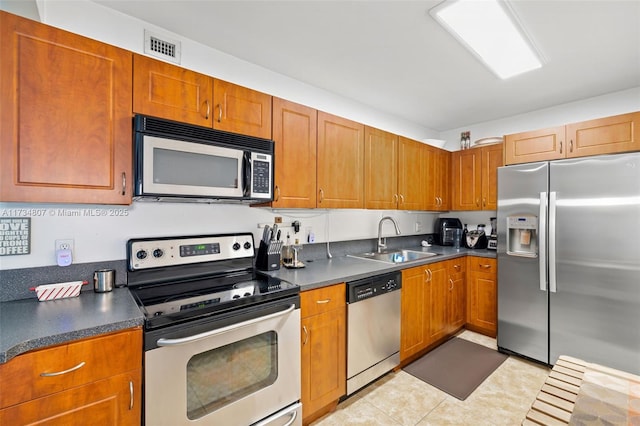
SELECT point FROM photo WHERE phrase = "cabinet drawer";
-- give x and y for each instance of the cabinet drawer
(321, 300)
(458, 265)
(47, 371)
(482, 264)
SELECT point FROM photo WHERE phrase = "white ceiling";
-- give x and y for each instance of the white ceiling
(391, 55)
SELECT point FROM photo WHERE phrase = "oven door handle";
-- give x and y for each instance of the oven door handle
(189, 339)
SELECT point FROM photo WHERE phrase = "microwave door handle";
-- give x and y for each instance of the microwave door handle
(246, 174)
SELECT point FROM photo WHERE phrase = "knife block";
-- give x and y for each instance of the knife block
(269, 256)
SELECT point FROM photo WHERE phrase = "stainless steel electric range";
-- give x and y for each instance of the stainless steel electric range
(221, 341)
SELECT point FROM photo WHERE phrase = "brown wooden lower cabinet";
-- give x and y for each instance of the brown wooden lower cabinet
(441, 298)
(89, 381)
(482, 292)
(324, 360)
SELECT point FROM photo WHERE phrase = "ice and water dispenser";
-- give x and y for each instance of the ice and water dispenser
(522, 235)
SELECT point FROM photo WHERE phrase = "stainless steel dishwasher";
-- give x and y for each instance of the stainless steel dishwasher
(373, 328)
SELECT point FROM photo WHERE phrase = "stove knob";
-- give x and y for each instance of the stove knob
(236, 296)
(246, 294)
(247, 245)
(236, 246)
(141, 254)
(158, 253)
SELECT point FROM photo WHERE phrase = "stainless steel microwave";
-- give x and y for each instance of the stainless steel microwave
(181, 162)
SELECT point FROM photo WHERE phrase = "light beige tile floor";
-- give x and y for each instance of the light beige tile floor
(401, 399)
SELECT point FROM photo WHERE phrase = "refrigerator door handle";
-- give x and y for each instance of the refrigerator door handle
(552, 242)
(542, 239)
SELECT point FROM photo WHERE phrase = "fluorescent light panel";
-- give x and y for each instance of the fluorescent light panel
(491, 32)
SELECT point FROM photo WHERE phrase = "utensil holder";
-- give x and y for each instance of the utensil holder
(269, 256)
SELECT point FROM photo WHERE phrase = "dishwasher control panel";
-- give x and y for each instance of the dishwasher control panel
(373, 286)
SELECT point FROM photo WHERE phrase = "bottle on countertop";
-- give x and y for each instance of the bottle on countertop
(287, 252)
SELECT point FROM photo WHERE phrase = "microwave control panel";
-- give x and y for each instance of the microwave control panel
(261, 175)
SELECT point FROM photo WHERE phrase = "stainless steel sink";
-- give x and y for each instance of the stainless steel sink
(395, 256)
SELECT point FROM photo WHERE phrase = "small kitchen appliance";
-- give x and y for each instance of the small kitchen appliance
(476, 239)
(221, 341)
(492, 241)
(444, 230)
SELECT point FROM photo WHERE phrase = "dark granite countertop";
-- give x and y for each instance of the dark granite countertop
(28, 324)
(321, 272)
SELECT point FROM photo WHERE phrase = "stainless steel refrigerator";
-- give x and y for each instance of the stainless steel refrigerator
(569, 260)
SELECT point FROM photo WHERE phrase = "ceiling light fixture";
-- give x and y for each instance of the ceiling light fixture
(490, 30)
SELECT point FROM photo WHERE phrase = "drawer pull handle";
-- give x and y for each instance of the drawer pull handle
(60, 373)
(306, 335)
(450, 284)
(130, 395)
(484, 266)
(124, 183)
(322, 302)
(456, 267)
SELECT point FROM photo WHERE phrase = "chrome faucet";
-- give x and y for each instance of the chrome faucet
(382, 242)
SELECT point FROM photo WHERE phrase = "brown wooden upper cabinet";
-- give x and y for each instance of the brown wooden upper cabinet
(474, 178)
(437, 188)
(380, 169)
(295, 137)
(168, 91)
(340, 162)
(620, 133)
(395, 171)
(65, 114)
(411, 174)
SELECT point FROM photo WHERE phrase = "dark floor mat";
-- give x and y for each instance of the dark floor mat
(456, 367)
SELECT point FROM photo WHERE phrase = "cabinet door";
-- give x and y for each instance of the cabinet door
(620, 133)
(238, 109)
(491, 159)
(537, 145)
(340, 162)
(411, 175)
(443, 192)
(438, 287)
(66, 116)
(414, 323)
(168, 91)
(114, 401)
(380, 169)
(466, 180)
(457, 294)
(324, 361)
(436, 179)
(295, 136)
(482, 294)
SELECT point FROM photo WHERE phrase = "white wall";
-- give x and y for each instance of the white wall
(100, 232)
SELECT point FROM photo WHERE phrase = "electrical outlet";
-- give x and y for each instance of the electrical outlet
(277, 219)
(64, 245)
(418, 227)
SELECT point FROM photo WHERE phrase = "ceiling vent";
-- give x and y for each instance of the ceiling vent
(161, 47)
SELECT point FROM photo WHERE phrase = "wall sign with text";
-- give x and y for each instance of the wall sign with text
(15, 236)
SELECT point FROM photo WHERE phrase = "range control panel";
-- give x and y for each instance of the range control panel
(373, 286)
(148, 253)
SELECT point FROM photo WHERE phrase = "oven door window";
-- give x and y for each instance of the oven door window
(226, 374)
